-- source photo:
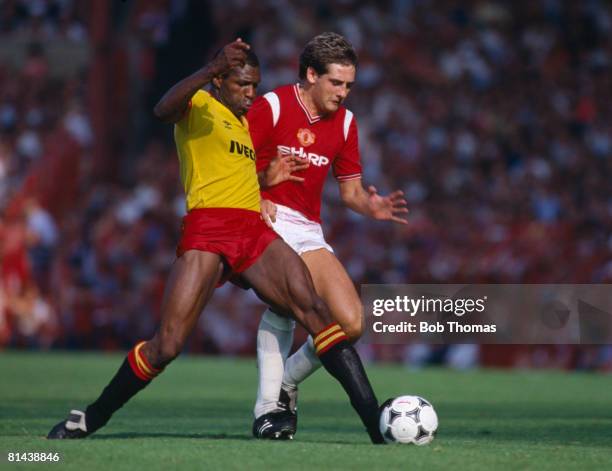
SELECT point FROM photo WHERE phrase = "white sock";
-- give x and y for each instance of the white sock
(301, 364)
(274, 340)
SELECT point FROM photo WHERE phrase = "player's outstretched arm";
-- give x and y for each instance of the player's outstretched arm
(175, 101)
(369, 203)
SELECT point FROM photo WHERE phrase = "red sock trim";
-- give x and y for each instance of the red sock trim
(132, 361)
(154, 371)
(328, 337)
(140, 365)
(331, 328)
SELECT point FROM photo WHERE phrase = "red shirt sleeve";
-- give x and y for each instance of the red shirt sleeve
(260, 128)
(347, 165)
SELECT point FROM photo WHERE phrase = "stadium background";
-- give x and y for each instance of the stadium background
(493, 117)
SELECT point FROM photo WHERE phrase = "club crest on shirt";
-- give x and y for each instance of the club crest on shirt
(306, 137)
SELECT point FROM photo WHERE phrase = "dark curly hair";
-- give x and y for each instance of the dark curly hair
(325, 49)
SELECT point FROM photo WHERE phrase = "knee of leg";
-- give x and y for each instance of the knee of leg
(354, 327)
(354, 330)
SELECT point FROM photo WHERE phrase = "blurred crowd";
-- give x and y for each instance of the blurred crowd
(494, 117)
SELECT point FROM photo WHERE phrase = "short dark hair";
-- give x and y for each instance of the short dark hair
(251, 57)
(325, 49)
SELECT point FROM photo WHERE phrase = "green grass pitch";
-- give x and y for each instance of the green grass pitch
(197, 415)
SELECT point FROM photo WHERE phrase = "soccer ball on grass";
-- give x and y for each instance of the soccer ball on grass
(408, 419)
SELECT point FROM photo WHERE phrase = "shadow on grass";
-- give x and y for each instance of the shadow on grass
(204, 436)
(546, 423)
(212, 436)
(521, 421)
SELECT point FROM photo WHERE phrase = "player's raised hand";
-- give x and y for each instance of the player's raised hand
(282, 168)
(232, 55)
(268, 212)
(387, 208)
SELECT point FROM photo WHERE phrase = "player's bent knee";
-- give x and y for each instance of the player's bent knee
(353, 329)
(354, 325)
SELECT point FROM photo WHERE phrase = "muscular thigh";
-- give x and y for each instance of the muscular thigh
(333, 284)
(281, 279)
(191, 284)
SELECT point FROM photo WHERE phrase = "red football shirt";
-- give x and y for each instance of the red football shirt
(279, 121)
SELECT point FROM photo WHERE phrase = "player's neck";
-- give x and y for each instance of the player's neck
(308, 101)
(217, 96)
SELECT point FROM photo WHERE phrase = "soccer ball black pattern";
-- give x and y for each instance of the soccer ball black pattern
(408, 419)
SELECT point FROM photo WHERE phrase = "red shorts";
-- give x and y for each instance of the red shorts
(239, 235)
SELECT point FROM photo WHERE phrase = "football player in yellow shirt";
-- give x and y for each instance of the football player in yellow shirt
(224, 235)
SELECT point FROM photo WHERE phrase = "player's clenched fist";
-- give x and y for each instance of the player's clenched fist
(232, 55)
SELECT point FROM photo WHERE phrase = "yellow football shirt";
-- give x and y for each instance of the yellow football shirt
(216, 157)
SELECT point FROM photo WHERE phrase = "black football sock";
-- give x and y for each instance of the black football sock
(341, 360)
(134, 375)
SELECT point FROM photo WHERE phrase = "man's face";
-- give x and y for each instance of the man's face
(331, 89)
(238, 89)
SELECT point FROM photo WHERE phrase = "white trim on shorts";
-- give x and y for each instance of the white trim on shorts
(300, 233)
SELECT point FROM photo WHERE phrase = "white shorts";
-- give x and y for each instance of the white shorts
(302, 235)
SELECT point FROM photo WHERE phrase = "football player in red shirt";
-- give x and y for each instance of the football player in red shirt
(300, 131)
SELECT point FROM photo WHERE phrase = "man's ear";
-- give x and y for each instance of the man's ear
(217, 81)
(311, 75)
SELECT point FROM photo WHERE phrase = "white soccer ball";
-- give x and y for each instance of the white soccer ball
(408, 419)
